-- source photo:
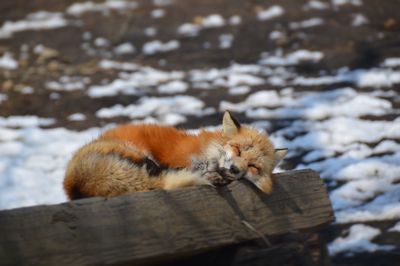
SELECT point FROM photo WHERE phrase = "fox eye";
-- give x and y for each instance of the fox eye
(236, 150)
(254, 168)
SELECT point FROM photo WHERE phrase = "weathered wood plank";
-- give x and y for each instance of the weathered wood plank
(149, 227)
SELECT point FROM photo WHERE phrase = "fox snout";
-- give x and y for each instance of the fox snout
(234, 167)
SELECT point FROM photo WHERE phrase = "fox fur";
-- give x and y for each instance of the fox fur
(132, 158)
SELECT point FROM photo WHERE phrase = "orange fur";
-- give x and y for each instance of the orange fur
(167, 145)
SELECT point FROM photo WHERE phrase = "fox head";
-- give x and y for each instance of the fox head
(248, 153)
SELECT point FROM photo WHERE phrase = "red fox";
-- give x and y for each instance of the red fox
(133, 158)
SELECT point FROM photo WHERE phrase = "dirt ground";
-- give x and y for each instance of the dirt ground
(342, 45)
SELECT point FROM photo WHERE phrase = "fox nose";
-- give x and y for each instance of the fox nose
(234, 170)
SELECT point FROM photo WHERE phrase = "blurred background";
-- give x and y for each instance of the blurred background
(321, 77)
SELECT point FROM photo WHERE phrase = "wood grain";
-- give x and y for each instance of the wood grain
(143, 228)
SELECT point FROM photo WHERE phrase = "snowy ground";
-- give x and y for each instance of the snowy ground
(336, 113)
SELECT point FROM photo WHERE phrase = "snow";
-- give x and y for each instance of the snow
(68, 83)
(188, 29)
(28, 155)
(235, 20)
(162, 2)
(291, 59)
(359, 20)
(363, 78)
(171, 87)
(262, 98)
(347, 2)
(358, 240)
(77, 117)
(358, 158)
(101, 42)
(391, 62)
(153, 106)
(150, 31)
(225, 41)
(316, 5)
(157, 46)
(275, 35)
(239, 90)
(36, 21)
(26, 90)
(25, 121)
(312, 22)
(124, 48)
(8, 62)
(110, 64)
(395, 228)
(210, 21)
(157, 13)
(132, 83)
(3, 97)
(270, 13)
(213, 21)
(78, 9)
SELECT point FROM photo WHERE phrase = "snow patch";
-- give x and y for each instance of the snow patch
(124, 48)
(77, 117)
(109, 64)
(225, 41)
(157, 13)
(235, 20)
(347, 2)
(27, 176)
(8, 62)
(78, 9)
(25, 121)
(316, 5)
(213, 21)
(171, 87)
(157, 46)
(312, 22)
(391, 62)
(270, 13)
(148, 106)
(291, 59)
(395, 228)
(359, 20)
(358, 240)
(68, 83)
(36, 21)
(188, 29)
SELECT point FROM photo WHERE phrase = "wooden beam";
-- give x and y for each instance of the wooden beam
(150, 227)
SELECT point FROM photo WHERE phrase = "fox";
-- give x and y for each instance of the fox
(143, 157)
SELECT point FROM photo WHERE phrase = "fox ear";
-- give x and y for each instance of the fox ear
(230, 125)
(279, 155)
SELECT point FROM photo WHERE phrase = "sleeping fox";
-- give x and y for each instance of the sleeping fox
(133, 158)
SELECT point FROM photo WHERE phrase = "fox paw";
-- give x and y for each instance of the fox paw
(216, 179)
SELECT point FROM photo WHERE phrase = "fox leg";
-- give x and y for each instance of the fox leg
(183, 178)
(210, 170)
